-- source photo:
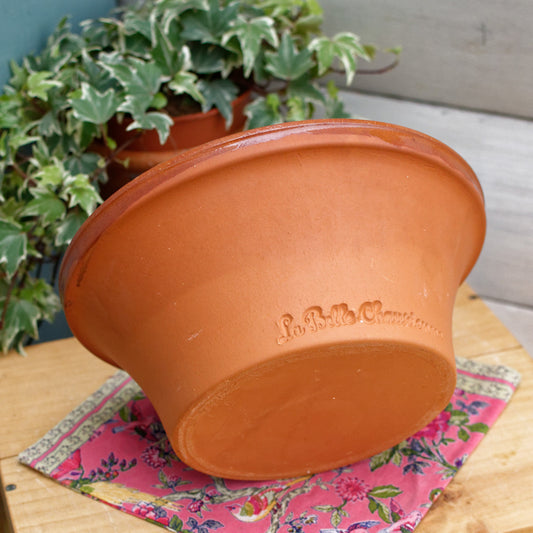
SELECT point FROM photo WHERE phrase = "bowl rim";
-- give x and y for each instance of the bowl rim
(355, 132)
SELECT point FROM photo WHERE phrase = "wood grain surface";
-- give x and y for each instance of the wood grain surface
(492, 493)
(466, 53)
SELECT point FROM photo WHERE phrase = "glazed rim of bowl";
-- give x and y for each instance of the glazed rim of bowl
(325, 132)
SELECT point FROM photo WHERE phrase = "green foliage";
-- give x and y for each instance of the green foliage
(146, 62)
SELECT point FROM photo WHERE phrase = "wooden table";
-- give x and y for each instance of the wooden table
(493, 492)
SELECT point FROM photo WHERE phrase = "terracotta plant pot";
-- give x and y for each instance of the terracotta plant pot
(283, 296)
(145, 151)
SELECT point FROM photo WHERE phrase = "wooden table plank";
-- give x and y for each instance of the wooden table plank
(491, 493)
(40, 504)
(43, 388)
(476, 331)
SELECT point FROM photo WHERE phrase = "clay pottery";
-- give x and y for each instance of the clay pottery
(283, 296)
(145, 150)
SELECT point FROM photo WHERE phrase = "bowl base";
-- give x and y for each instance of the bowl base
(314, 410)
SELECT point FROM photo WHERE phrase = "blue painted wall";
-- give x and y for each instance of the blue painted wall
(26, 24)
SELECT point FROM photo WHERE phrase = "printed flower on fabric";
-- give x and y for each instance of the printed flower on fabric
(435, 427)
(152, 457)
(351, 489)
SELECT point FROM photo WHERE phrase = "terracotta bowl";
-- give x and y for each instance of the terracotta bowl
(283, 296)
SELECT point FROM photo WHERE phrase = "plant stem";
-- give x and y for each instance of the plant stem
(18, 169)
(112, 157)
(381, 70)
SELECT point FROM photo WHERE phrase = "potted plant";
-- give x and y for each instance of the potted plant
(61, 113)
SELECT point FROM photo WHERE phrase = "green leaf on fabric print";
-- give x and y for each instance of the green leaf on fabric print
(336, 518)
(463, 434)
(385, 491)
(384, 513)
(324, 508)
(176, 524)
(162, 477)
(479, 427)
(123, 412)
(396, 458)
(381, 459)
(372, 505)
(458, 418)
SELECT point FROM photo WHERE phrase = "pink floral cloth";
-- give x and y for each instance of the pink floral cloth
(113, 448)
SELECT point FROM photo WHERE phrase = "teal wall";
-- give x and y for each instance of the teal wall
(26, 24)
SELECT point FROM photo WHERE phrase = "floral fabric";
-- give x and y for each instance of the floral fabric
(113, 448)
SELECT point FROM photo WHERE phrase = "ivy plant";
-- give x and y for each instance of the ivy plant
(148, 62)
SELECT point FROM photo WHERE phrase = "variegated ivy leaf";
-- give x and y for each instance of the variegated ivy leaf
(41, 294)
(209, 26)
(21, 317)
(142, 81)
(304, 88)
(77, 190)
(219, 94)
(20, 137)
(46, 205)
(287, 62)
(208, 58)
(13, 246)
(134, 23)
(10, 110)
(333, 106)
(39, 83)
(94, 106)
(344, 46)
(49, 125)
(251, 34)
(145, 74)
(19, 75)
(174, 8)
(165, 54)
(161, 122)
(264, 112)
(185, 83)
(50, 175)
(69, 226)
(297, 109)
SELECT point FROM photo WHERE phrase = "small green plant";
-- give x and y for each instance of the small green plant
(148, 62)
